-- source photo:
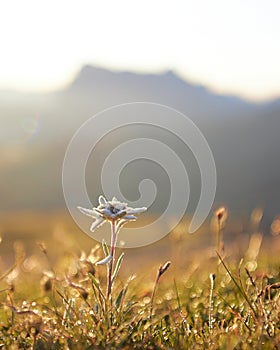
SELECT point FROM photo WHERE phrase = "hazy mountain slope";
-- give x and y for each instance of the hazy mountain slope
(36, 128)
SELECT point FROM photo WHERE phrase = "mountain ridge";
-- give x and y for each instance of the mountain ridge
(89, 75)
(243, 136)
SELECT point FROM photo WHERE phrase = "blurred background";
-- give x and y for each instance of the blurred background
(62, 62)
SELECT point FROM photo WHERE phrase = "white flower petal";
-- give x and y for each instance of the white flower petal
(102, 200)
(89, 212)
(106, 212)
(105, 260)
(120, 224)
(99, 211)
(118, 206)
(97, 223)
(121, 212)
(136, 210)
(129, 217)
(113, 210)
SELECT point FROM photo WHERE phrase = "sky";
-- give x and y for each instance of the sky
(230, 46)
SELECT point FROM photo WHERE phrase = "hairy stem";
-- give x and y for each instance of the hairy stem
(111, 264)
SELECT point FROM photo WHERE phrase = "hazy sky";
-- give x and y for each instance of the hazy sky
(231, 46)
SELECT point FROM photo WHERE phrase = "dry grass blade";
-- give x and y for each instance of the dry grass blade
(6, 273)
(240, 288)
(161, 270)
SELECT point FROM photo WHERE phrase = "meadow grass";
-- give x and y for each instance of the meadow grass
(201, 299)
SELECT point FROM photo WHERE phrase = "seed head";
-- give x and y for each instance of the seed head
(220, 213)
(163, 268)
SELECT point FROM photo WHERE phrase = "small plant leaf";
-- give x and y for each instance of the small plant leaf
(119, 298)
(118, 266)
(97, 285)
(105, 261)
(105, 248)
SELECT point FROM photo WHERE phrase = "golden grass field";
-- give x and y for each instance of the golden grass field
(52, 293)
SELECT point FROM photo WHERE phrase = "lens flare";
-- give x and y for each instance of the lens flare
(30, 126)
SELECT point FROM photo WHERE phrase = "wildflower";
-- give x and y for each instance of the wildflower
(118, 214)
(112, 211)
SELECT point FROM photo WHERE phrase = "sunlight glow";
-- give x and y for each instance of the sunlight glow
(229, 46)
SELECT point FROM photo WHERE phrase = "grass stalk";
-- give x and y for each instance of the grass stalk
(161, 270)
(240, 288)
(211, 303)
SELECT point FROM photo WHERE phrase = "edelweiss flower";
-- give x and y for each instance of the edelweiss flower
(113, 211)
(117, 213)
